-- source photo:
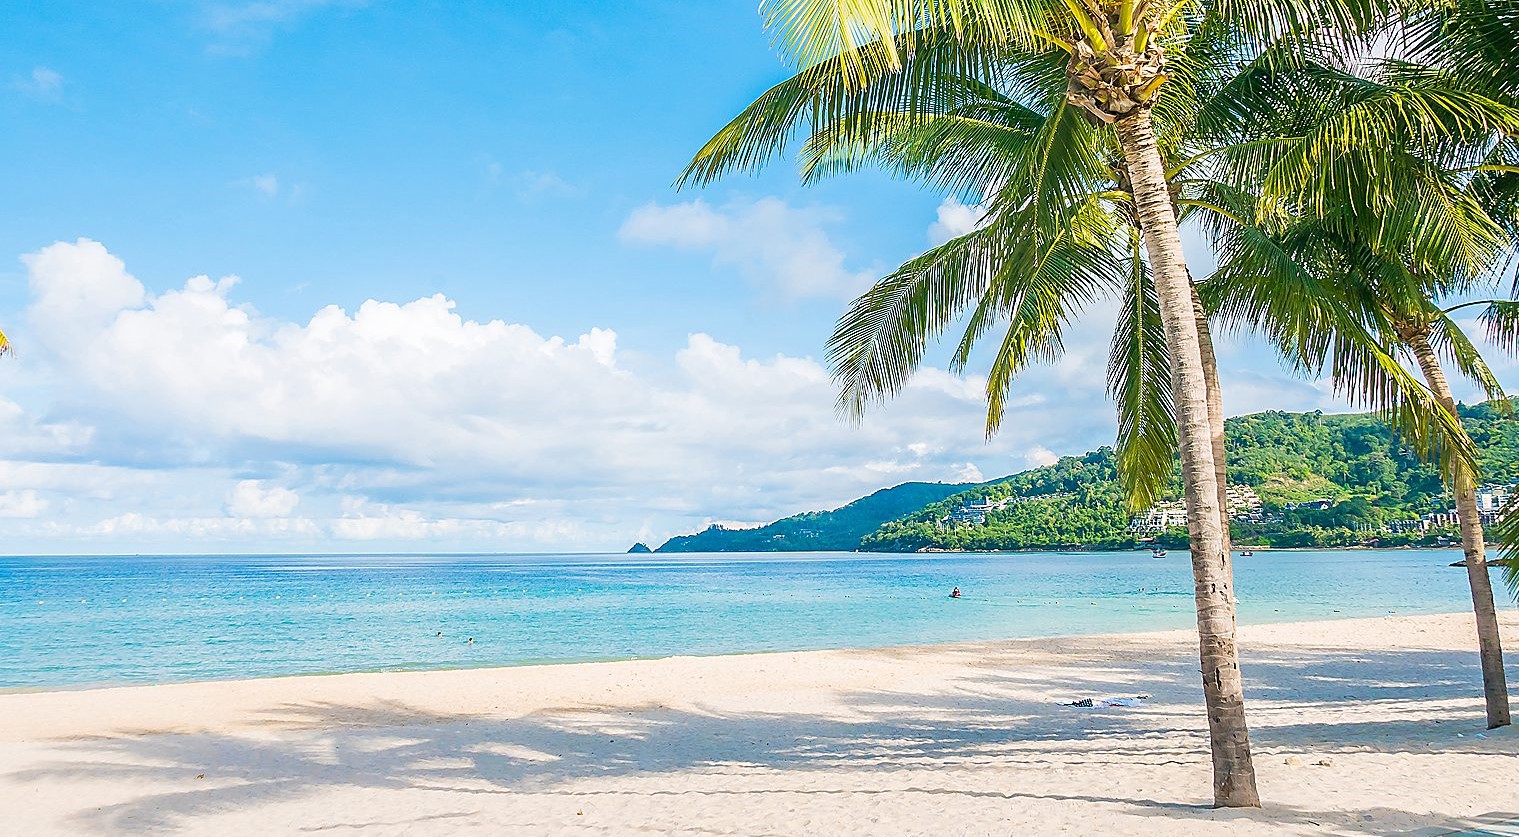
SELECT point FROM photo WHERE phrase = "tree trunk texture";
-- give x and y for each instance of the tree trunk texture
(1215, 420)
(1223, 689)
(1489, 643)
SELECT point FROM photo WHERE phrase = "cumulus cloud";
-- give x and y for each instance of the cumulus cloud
(251, 498)
(25, 503)
(774, 244)
(953, 219)
(397, 422)
(1040, 455)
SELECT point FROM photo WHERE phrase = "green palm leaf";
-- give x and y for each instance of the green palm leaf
(1139, 381)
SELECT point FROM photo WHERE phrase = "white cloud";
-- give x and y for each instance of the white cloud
(1039, 456)
(251, 498)
(26, 504)
(968, 472)
(954, 219)
(776, 245)
(41, 83)
(185, 414)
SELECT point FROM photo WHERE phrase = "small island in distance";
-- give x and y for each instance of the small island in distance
(1297, 480)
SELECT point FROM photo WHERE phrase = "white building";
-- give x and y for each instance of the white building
(1492, 498)
(1159, 517)
(1244, 503)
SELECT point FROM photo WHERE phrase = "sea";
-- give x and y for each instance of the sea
(107, 620)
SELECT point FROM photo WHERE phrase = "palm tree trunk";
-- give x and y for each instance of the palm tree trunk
(1215, 419)
(1489, 643)
(1223, 688)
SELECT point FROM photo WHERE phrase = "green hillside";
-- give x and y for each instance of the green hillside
(840, 529)
(1073, 504)
(1353, 460)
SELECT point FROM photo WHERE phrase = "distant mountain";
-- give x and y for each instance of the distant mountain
(1358, 474)
(639, 548)
(840, 529)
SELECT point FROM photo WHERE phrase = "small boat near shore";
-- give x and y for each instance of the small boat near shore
(1491, 562)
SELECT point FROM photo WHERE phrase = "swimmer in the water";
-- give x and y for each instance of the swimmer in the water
(440, 633)
(471, 640)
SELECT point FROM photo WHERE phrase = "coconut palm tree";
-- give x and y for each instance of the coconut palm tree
(1372, 242)
(1114, 73)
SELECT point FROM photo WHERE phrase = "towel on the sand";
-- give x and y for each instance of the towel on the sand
(1121, 703)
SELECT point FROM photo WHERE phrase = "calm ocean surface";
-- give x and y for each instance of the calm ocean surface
(143, 619)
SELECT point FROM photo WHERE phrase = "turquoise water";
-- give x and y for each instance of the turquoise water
(98, 620)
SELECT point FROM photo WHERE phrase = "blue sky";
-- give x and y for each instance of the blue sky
(448, 298)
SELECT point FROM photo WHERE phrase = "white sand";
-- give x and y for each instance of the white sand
(960, 739)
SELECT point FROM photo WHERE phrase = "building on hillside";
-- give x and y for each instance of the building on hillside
(1159, 517)
(1493, 497)
(966, 515)
(1441, 520)
(974, 514)
(1244, 504)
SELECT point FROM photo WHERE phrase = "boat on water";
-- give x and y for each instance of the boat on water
(1158, 553)
(1246, 553)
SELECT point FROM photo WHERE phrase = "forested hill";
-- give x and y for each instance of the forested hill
(1352, 460)
(840, 529)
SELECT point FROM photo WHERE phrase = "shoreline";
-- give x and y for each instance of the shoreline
(625, 554)
(419, 669)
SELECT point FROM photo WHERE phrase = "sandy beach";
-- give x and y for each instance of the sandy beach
(1369, 726)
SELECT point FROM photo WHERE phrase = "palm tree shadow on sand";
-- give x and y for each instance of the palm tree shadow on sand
(877, 742)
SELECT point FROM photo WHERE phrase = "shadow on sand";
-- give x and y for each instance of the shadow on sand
(986, 720)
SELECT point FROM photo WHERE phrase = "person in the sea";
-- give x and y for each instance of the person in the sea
(955, 593)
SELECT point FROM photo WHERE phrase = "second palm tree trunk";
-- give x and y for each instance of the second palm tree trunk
(1215, 420)
(1489, 643)
(1223, 688)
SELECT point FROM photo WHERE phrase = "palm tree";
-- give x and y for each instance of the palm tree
(1114, 73)
(1379, 236)
(926, 89)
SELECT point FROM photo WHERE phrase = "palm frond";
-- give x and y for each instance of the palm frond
(875, 36)
(1139, 381)
(1452, 342)
(932, 78)
(1506, 533)
(1500, 323)
(1320, 326)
